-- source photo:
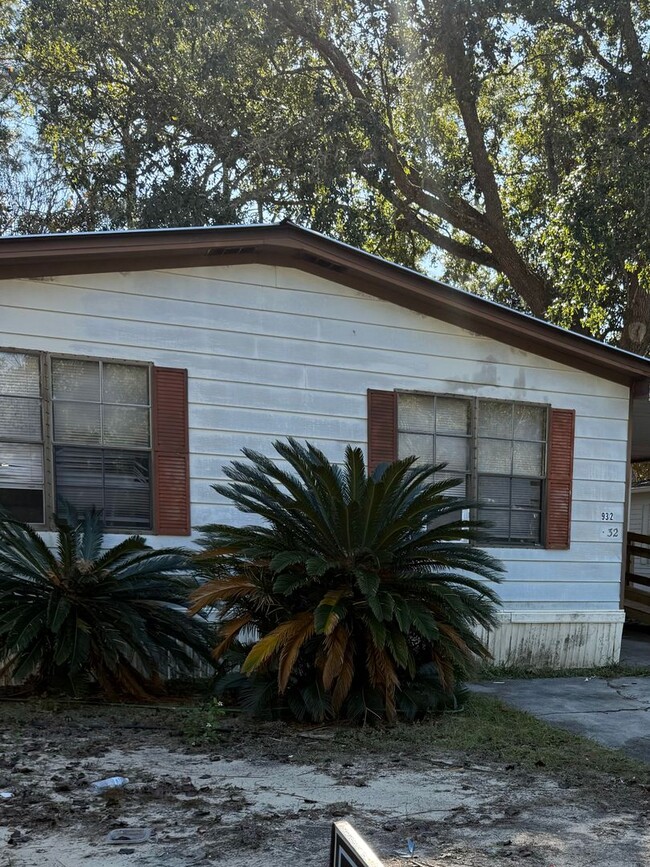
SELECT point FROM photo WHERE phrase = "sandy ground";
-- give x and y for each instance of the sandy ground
(269, 799)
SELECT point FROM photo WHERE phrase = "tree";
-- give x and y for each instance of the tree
(504, 139)
(597, 238)
(364, 592)
(107, 85)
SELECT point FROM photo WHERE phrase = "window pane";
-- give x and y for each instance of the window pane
(453, 451)
(75, 379)
(125, 384)
(494, 490)
(527, 493)
(126, 426)
(113, 481)
(449, 518)
(76, 422)
(525, 526)
(127, 509)
(495, 456)
(21, 466)
(19, 374)
(415, 412)
(499, 521)
(20, 417)
(79, 477)
(528, 459)
(452, 415)
(416, 444)
(127, 491)
(495, 419)
(530, 422)
(459, 490)
(23, 505)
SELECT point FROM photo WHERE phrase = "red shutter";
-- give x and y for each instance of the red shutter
(382, 428)
(171, 459)
(559, 478)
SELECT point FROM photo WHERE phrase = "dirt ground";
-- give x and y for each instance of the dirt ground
(267, 795)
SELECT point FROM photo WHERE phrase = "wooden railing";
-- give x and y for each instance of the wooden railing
(636, 593)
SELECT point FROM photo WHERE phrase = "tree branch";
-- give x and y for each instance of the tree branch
(633, 48)
(459, 69)
(464, 218)
(409, 220)
(589, 42)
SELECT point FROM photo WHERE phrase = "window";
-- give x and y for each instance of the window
(496, 448)
(438, 430)
(511, 469)
(21, 437)
(97, 438)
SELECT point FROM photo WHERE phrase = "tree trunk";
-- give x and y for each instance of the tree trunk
(531, 286)
(635, 334)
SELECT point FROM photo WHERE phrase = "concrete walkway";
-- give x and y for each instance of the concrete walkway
(615, 712)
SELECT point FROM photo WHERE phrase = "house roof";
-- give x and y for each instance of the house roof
(292, 246)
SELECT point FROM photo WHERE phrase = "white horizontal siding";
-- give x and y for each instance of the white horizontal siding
(273, 352)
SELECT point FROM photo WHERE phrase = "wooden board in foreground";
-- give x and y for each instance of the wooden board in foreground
(349, 849)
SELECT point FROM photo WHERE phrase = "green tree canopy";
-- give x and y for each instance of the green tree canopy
(503, 143)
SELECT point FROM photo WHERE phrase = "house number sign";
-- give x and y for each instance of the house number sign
(611, 531)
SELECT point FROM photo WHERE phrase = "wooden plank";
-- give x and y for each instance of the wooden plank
(631, 578)
(636, 551)
(637, 596)
(349, 849)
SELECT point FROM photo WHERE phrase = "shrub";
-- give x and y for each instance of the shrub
(353, 598)
(79, 613)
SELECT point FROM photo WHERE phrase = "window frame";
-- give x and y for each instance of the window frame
(473, 472)
(47, 427)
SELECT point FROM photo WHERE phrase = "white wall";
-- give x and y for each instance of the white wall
(274, 351)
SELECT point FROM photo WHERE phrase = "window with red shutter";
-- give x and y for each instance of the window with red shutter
(515, 458)
(116, 433)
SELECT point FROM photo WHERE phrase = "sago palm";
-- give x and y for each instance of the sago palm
(78, 612)
(353, 593)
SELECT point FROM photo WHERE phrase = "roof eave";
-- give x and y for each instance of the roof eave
(292, 246)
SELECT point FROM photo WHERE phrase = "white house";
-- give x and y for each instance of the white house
(134, 365)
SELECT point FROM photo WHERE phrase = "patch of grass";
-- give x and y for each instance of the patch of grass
(607, 672)
(483, 730)
(202, 725)
(489, 730)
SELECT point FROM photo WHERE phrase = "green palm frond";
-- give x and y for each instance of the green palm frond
(363, 581)
(115, 615)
